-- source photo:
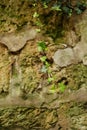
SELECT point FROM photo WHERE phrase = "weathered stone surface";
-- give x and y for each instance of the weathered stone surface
(81, 47)
(4, 69)
(80, 50)
(16, 41)
(25, 101)
(85, 60)
(71, 38)
(77, 96)
(78, 40)
(64, 57)
(27, 118)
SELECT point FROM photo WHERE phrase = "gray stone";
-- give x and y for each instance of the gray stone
(80, 50)
(16, 41)
(64, 57)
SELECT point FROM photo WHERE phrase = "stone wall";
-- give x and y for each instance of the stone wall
(27, 100)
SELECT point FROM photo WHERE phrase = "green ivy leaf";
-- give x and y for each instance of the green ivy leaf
(45, 5)
(78, 11)
(56, 7)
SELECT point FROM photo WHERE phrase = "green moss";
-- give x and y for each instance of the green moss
(29, 118)
(78, 73)
(75, 109)
(16, 13)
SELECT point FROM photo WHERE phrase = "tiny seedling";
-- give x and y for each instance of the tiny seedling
(53, 89)
(34, 4)
(46, 64)
(50, 79)
(45, 5)
(56, 7)
(38, 23)
(43, 59)
(62, 87)
(42, 46)
(35, 15)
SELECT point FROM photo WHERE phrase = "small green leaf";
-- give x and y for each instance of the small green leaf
(35, 15)
(50, 79)
(41, 46)
(38, 23)
(45, 5)
(66, 9)
(47, 64)
(56, 7)
(78, 11)
(43, 58)
(34, 4)
(53, 89)
(62, 87)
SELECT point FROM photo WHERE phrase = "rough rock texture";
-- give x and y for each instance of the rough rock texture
(77, 42)
(64, 57)
(4, 69)
(80, 51)
(68, 56)
(16, 41)
(28, 100)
